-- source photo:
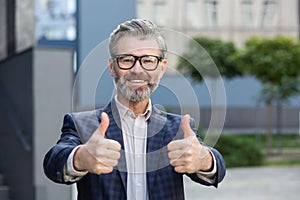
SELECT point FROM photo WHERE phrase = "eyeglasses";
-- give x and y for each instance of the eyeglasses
(127, 61)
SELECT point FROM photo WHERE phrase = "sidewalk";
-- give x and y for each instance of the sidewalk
(259, 183)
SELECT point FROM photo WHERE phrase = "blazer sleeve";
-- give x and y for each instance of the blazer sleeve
(220, 163)
(220, 174)
(56, 158)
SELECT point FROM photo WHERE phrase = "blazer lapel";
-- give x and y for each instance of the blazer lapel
(114, 132)
(86, 123)
(157, 157)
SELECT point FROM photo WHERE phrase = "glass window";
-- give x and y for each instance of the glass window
(247, 13)
(211, 12)
(159, 13)
(193, 14)
(55, 20)
(269, 13)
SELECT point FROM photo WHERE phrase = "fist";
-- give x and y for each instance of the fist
(99, 154)
(187, 155)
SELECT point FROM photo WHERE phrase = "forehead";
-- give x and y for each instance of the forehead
(136, 46)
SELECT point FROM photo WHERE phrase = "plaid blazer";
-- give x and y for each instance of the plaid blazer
(162, 181)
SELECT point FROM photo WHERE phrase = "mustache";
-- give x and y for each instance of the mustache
(145, 77)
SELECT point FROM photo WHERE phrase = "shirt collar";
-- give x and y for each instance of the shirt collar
(123, 110)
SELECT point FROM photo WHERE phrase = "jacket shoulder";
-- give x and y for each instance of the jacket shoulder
(85, 122)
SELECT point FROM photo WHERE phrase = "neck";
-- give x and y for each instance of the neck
(137, 107)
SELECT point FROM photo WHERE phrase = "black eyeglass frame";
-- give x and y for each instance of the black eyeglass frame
(116, 57)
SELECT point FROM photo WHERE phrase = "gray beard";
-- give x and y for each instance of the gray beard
(135, 95)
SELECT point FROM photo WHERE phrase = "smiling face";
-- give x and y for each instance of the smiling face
(136, 84)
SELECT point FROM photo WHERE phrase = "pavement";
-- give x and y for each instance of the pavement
(259, 183)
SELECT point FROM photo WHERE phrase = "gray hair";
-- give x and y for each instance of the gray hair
(142, 28)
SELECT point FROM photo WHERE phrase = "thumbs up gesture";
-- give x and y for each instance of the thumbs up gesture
(98, 155)
(187, 155)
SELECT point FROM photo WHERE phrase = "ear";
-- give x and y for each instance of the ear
(110, 65)
(163, 67)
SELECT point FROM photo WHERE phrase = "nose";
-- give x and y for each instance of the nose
(137, 67)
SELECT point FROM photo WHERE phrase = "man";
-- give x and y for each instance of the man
(130, 149)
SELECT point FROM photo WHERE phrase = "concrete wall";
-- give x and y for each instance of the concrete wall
(16, 133)
(35, 92)
(52, 88)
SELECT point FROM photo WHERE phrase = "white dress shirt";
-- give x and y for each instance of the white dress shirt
(134, 130)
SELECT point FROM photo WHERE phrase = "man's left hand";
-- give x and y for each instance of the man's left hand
(187, 155)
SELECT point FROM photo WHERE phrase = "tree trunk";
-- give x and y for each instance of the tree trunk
(269, 128)
(279, 125)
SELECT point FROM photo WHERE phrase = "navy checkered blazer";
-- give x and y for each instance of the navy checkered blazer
(162, 181)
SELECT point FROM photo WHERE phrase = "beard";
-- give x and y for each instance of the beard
(135, 94)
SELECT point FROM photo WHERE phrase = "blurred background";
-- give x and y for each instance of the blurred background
(48, 45)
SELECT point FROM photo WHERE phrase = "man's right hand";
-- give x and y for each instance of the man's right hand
(98, 155)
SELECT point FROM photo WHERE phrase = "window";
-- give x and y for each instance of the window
(269, 13)
(247, 13)
(192, 14)
(55, 21)
(211, 12)
(159, 13)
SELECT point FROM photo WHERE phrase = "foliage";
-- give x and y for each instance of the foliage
(238, 151)
(201, 58)
(275, 62)
(285, 149)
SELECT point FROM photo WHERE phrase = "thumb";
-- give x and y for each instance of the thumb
(104, 123)
(185, 125)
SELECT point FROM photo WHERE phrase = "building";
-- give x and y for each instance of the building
(234, 20)
(231, 20)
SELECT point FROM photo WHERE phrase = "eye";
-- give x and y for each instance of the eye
(126, 59)
(149, 60)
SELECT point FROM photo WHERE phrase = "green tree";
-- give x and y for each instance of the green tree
(275, 62)
(203, 53)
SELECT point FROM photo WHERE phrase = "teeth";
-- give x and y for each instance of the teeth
(137, 81)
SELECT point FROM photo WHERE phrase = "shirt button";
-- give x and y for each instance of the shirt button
(139, 184)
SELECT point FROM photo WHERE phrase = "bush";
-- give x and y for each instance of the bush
(239, 151)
